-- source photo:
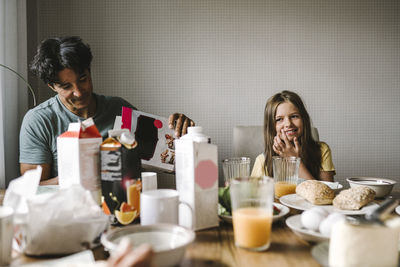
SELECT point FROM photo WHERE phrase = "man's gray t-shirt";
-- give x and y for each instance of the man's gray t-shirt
(43, 124)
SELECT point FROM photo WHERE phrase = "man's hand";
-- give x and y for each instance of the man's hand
(180, 123)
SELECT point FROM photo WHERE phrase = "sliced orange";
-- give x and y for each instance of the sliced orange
(125, 207)
(125, 217)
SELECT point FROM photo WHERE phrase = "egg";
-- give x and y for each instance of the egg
(325, 228)
(312, 218)
(321, 210)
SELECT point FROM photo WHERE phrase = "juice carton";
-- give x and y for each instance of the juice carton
(155, 139)
(120, 176)
(78, 157)
(197, 180)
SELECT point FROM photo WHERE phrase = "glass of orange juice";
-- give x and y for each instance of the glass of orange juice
(286, 171)
(252, 203)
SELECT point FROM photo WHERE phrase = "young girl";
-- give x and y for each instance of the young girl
(287, 132)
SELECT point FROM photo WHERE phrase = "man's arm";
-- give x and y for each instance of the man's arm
(46, 169)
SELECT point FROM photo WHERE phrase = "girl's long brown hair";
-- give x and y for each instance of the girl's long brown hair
(310, 150)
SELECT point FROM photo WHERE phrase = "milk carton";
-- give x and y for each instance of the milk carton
(78, 157)
(197, 179)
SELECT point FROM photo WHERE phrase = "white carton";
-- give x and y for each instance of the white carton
(78, 152)
(197, 180)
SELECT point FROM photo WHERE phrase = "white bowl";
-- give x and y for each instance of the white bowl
(381, 186)
(169, 241)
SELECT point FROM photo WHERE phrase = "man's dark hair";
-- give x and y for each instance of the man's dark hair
(55, 54)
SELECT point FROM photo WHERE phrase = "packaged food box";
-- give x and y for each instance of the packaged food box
(155, 139)
(78, 157)
(120, 178)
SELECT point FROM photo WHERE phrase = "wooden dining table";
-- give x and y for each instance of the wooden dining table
(216, 247)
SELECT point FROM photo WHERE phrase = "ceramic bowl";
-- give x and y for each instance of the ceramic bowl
(381, 186)
(169, 241)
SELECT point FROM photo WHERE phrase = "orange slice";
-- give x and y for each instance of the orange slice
(125, 207)
(125, 217)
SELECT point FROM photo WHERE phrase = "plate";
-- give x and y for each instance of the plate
(296, 202)
(397, 210)
(294, 223)
(284, 210)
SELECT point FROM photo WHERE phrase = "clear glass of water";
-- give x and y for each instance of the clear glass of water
(235, 167)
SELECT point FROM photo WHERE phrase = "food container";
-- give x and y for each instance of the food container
(381, 186)
(168, 241)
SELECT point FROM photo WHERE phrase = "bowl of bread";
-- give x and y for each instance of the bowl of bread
(382, 187)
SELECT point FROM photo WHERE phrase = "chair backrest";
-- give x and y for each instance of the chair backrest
(248, 141)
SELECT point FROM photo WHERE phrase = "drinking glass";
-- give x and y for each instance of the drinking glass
(286, 172)
(235, 167)
(252, 203)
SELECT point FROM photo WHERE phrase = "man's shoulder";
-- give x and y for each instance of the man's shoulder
(45, 110)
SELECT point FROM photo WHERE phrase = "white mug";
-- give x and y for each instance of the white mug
(6, 234)
(149, 181)
(159, 206)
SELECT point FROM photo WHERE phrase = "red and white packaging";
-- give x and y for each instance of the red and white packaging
(155, 139)
(79, 157)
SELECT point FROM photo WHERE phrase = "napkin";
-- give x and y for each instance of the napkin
(364, 245)
(61, 222)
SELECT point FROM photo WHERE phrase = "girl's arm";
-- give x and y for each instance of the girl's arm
(324, 175)
(327, 176)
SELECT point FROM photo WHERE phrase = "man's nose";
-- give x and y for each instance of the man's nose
(77, 91)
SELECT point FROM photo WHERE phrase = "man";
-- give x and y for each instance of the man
(64, 65)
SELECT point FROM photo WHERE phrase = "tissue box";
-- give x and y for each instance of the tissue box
(155, 139)
(197, 183)
(78, 157)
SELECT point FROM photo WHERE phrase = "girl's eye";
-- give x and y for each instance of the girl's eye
(82, 79)
(278, 119)
(295, 116)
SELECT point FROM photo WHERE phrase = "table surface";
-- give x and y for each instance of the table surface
(215, 247)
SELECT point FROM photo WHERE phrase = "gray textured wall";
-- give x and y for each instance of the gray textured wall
(219, 60)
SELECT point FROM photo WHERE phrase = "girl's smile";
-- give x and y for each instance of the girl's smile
(288, 120)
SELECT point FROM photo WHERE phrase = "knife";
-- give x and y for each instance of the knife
(377, 215)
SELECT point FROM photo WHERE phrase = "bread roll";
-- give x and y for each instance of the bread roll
(354, 198)
(315, 192)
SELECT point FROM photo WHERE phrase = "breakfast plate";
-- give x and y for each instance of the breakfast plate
(294, 223)
(297, 202)
(397, 210)
(283, 211)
